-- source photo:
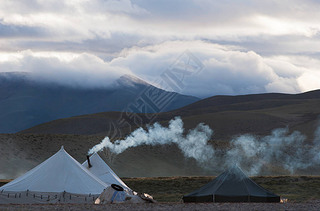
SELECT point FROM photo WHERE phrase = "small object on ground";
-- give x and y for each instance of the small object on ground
(117, 194)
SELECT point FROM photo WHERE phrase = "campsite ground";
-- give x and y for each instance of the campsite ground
(315, 205)
(171, 189)
(302, 192)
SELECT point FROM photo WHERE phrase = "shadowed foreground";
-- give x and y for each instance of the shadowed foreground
(172, 206)
(302, 192)
(171, 189)
(297, 189)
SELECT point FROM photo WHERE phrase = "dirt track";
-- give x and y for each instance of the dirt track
(172, 206)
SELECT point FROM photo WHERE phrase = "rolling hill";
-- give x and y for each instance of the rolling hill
(228, 116)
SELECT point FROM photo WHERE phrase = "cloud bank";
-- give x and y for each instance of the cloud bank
(77, 70)
(227, 69)
(246, 47)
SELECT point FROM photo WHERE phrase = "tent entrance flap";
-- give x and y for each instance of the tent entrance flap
(200, 199)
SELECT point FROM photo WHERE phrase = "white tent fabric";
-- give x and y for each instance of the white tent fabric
(101, 170)
(58, 177)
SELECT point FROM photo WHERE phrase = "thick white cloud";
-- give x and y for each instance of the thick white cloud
(227, 70)
(78, 70)
(245, 46)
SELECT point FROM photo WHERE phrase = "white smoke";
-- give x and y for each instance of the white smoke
(281, 149)
(193, 145)
(316, 140)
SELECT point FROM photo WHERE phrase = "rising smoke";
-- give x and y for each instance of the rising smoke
(193, 145)
(286, 151)
(279, 148)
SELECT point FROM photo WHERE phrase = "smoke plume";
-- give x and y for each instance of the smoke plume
(193, 145)
(281, 150)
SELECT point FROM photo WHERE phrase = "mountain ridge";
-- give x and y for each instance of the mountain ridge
(25, 102)
(259, 114)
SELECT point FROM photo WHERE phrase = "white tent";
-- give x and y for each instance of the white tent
(101, 170)
(59, 179)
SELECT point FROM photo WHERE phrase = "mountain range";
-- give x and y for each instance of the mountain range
(26, 102)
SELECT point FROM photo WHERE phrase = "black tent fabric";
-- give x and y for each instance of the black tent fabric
(232, 186)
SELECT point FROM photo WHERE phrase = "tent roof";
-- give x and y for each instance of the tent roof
(233, 182)
(101, 170)
(59, 173)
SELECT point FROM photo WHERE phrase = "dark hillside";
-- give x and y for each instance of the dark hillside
(227, 115)
(25, 102)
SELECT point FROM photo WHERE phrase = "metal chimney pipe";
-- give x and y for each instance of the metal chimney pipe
(88, 159)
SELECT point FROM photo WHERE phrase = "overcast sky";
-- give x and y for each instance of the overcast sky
(246, 46)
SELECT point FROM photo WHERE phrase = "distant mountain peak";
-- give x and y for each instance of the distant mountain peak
(130, 81)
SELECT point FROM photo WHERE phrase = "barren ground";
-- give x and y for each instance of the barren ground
(312, 205)
(302, 192)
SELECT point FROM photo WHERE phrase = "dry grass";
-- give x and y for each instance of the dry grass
(171, 189)
(303, 191)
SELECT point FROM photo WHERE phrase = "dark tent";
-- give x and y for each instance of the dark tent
(231, 186)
